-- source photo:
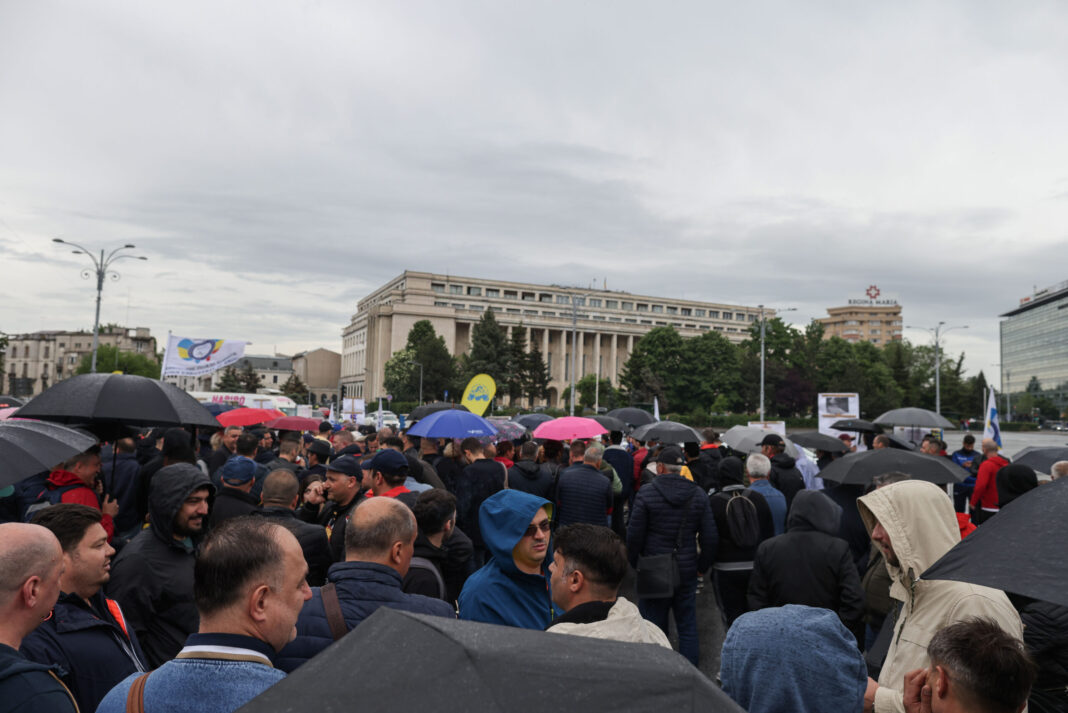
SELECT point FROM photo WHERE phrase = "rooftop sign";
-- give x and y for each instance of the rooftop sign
(873, 298)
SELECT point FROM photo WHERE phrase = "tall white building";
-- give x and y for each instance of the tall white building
(609, 323)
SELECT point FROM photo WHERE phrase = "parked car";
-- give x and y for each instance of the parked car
(388, 419)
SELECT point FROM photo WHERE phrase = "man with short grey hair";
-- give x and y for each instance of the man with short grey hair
(31, 564)
(758, 467)
(379, 541)
(1059, 469)
(583, 493)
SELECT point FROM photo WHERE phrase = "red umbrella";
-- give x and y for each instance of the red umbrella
(249, 416)
(294, 423)
(568, 428)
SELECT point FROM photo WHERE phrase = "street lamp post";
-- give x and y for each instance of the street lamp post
(415, 363)
(101, 269)
(938, 332)
(574, 343)
(762, 331)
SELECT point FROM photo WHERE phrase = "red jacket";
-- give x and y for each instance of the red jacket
(83, 495)
(985, 494)
(639, 456)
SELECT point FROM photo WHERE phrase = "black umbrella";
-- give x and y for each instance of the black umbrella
(532, 420)
(912, 416)
(897, 441)
(426, 409)
(462, 666)
(1041, 458)
(10, 402)
(666, 431)
(124, 398)
(856, 425)
(819, 441)
(611, 423)
(860, 468)
(1019, 550)
(30, 447)
(631, 415)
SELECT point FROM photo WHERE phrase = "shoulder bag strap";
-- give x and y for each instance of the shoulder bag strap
(135, 698)
(685, 520)
(334, 617)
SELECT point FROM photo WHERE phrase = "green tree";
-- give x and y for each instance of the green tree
(517, 364)
(251, 382)
(439, 367)
(588, 394)
(110, 358)
(653, 367)
(295, 389)
(399, 372)
(230, 381)
(489, 351)
(535, 375)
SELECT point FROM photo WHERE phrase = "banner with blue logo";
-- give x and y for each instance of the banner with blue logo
(187, 356)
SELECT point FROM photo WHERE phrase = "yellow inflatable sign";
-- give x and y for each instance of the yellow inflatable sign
(478, 394)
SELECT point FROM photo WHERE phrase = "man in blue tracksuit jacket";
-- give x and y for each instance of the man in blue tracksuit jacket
(512, 589)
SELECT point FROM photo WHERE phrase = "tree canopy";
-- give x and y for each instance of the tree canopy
(110, 358)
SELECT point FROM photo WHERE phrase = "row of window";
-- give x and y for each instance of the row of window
(625, 305)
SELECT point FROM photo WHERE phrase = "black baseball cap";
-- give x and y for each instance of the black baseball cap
(772, 439)
(672, 455)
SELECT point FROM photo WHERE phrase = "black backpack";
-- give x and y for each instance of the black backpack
(35, 494)
(743, 523)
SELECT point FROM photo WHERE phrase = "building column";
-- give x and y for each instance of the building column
(597, 354)
(614, 357)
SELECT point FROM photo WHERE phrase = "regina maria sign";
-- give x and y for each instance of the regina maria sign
(874, 297)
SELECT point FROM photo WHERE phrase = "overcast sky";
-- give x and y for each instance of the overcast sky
(276, 161)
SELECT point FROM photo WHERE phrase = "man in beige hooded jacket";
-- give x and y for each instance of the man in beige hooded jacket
(914, 524)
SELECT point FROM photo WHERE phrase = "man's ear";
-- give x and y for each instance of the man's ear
(940, 685)
(257, 603)
(576, 581)
(396, 552)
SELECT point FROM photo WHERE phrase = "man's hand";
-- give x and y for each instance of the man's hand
(110, 506)
(917, 692)
(869, 695)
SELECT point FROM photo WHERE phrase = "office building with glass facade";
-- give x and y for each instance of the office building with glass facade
(1034, 344)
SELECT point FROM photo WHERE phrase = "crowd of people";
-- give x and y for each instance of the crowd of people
(171, 573)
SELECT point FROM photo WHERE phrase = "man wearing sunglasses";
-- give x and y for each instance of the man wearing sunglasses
(512, 588)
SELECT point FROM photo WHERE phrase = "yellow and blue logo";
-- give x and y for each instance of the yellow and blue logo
(478, 394)
(199, 351)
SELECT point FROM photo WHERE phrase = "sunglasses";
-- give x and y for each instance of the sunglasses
(544, 526)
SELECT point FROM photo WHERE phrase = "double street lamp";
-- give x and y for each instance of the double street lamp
(938, 332)
(101, 269)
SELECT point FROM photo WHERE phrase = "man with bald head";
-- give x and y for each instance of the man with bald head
(379, 540)
(280, 495)
(31, 564)
(984, 498)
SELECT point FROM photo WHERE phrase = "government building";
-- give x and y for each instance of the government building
(608, 324)
(1034, 344)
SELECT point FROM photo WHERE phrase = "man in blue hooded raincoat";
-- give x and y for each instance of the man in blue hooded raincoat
(512, 589)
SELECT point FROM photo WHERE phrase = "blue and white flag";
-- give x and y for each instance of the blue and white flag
(196, 357)
(991, 427)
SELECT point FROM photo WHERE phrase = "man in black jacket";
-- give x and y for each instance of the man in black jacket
(152, 578)
(809, 564)
(280, 495)
(784, 475)
(530, 476)
(481, 478)
(344, 490)
(622, 462)
(435, 513)
(235, 498)
(226, 448)
(668, 510)
(86, 634)
(583, 493)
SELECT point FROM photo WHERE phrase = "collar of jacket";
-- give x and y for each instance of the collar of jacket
(585, 613)
(364, 572)
(228, 492)
(227, 647)
(93, 613)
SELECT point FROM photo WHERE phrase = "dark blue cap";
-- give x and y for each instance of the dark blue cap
(387, 461)
(238, 470)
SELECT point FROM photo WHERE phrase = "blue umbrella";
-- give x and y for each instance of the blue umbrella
(216, 408)
(453, 423)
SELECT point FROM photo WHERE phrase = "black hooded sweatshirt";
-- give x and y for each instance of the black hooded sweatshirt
(809, 564)
(152, 577)
(786, 477)
(534, 478)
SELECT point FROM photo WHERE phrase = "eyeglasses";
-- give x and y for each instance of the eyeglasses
(544, 526)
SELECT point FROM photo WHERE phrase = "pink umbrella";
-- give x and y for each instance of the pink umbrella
(568, 428)
(294, 423)
(6, 413)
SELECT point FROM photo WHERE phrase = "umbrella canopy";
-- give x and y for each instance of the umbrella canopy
(567, 428)
(666, 431)
(251, 416)
(10, 401)
(453, 423)
(631, 415)
(1019, 550)
(912, 416)
(612, 423)
(532, 420)
(426, 409)
(30, 447)
(860, 468)
(7, 412)
(129, 399)
(819, 441)
(746, 439)
(856, 425)
(216, 408)
(1041, 458)
(294, 423)
(466, 666)
(897, 441)
(507, 430)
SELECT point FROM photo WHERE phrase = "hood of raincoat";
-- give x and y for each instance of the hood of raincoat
(824, 671)
(170, 487)
(731, 471)
(812, 510)
(503, 518)
(1013, 481)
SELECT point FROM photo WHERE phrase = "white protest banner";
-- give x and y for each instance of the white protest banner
(196, 357)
